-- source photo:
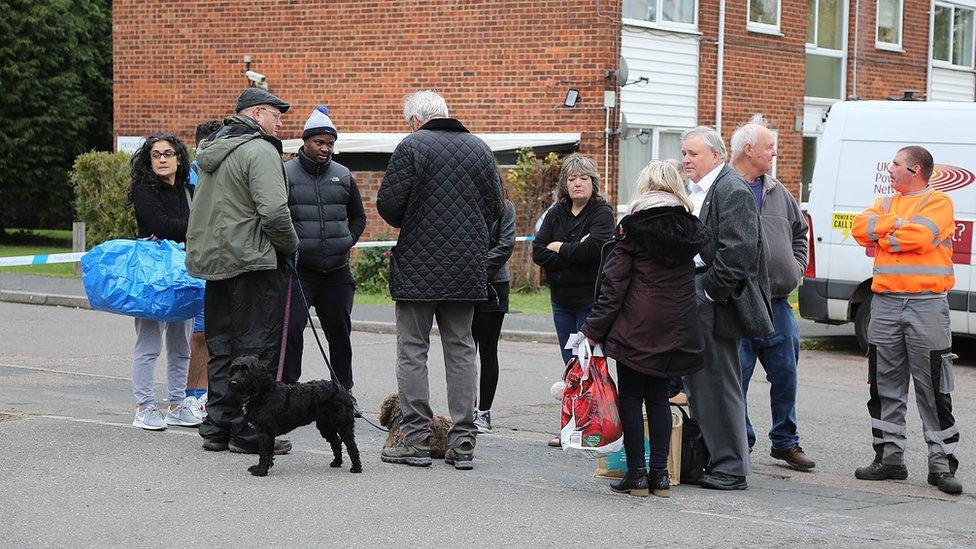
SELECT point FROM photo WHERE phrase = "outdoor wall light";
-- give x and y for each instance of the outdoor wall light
(572, 96)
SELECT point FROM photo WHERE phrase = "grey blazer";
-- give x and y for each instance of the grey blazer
(736, 277)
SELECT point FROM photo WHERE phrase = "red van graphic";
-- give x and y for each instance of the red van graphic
(950, 178)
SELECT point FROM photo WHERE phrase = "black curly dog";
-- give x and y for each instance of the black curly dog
(276, 408)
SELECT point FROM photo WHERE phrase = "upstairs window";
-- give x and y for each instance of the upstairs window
(681, 13)
(764, 16)
(952, 42)
(889, 25)
(825, 49)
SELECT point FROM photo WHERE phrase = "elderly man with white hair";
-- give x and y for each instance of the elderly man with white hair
(442, 190)
(785, 233)
(733, 303)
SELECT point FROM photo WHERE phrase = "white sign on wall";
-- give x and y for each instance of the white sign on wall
(128, 143)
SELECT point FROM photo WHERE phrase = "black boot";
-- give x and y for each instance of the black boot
(633, 483)
(657, 481)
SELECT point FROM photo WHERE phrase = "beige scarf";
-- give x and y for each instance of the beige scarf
(653, 199)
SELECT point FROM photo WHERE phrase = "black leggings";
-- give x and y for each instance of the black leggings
(486, 327)
(637, 390)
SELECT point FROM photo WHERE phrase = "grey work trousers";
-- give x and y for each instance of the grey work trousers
(715, 397)
(149, 343)
(413, 323)
(910, 336)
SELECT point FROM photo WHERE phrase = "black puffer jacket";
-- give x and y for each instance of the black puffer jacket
(646, 313)
(162, 210)
(327, 212)
(441, 190)
(571, 273)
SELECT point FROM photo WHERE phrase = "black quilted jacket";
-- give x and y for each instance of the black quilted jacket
(442, 191)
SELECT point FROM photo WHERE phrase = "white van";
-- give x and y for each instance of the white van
(860, 138)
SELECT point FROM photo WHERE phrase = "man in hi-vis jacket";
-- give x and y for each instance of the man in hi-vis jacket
(909, 332)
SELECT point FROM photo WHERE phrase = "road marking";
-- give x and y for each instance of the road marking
(64, 372)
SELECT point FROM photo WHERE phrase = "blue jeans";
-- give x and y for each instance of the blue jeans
(779, 354)
(568, 320)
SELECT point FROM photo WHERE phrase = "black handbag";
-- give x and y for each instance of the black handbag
(694, 454)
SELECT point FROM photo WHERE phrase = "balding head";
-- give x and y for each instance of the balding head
(753, 148)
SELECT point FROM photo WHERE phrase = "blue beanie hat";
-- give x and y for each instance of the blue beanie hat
(319, 123)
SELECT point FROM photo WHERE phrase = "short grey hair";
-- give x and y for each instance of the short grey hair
(748, 134)
(711, 137)
(425, 105)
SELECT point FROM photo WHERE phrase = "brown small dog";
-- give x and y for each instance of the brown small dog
(391, 415)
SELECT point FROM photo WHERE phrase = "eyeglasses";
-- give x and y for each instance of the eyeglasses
(274, 113)
(156, 155)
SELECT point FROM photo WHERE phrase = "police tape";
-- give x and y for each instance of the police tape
(74, 257)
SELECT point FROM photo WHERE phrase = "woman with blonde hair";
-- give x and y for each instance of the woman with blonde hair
(646, 317)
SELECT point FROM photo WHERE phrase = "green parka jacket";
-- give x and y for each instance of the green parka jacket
(239, 218)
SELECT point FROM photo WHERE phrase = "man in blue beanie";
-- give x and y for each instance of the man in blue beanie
(328, 214)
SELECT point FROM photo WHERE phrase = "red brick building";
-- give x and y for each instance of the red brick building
(504, 67)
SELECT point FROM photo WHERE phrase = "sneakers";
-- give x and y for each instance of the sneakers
(794, 457)
(409, 454)
(149, 418)
(461, 456)
(881, 471)
(183, 415)
(946, 482)
(281, 447)
(198, 406)
(482, 420)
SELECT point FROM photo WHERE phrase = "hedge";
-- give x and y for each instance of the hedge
(101, 183)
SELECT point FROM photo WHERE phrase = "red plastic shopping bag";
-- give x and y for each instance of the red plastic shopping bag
(591, 409)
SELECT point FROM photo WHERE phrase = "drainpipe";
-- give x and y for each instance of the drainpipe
(719, 69)
(928, 65)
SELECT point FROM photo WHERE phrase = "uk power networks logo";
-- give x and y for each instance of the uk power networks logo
(950, 178)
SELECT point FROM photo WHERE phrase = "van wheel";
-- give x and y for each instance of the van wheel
(861, 320)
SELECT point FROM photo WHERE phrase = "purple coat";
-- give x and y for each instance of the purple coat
(646, 314)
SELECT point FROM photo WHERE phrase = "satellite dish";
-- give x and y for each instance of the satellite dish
(623, 128)
(620, 74)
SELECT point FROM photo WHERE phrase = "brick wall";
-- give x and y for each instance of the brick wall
(501, 66)
(882, 73)
(763, 74)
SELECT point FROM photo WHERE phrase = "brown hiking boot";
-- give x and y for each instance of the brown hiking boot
(795, 458)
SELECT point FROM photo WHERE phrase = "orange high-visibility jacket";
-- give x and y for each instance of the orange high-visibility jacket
(913, 233)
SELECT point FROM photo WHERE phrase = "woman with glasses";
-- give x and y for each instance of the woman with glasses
(161, 198)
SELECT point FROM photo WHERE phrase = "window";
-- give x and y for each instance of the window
(825, 48)
(639, 149)
(953, 40)
(809, 160)
(889, 25)
(764, 16)
(666, 12)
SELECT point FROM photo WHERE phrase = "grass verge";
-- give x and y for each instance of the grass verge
(18, 242)
(529, 302)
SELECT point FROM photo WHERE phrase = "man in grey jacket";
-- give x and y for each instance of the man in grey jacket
(239, 229)
(784, 233)
(732, 288)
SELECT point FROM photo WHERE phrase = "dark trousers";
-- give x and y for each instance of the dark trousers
(333, 306)
(244, 316)
(779, 353)
(486, 327)
(637, 391)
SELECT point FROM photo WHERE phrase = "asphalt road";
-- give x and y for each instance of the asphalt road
(73, 472)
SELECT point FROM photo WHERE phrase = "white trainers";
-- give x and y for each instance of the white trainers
(149, 418)
(183, 415)
(197, 406)
(482, 420)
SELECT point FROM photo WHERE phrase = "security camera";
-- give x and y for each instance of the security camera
(255, 77)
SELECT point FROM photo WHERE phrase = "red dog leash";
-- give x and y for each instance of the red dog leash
(284, 329)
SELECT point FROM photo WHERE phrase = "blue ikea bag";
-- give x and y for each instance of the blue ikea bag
(142, 278)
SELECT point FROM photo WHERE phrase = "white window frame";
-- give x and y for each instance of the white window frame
(655, 135)
(667, 25)
(952, 27)
(765, 28)
(826, 52)
(878, 44)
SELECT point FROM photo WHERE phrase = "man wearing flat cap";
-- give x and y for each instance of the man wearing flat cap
(329, 217)
(239, 230)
